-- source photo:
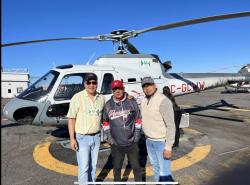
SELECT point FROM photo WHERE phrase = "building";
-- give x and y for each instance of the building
(13, 82)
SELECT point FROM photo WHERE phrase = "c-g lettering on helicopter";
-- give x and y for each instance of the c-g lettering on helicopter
(46, 102)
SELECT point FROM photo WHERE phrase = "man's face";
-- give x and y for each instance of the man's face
(149, 89)
(90, 86)
(118, 92)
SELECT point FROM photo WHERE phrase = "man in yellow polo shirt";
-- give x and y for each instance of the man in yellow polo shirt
(84, 128)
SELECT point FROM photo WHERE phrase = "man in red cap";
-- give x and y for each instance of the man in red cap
(122, 126)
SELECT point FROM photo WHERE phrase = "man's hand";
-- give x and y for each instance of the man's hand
(73, 144)
(130, 97)
(110, 140)
(167, 154)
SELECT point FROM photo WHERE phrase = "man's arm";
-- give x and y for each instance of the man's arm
(105, 124)
(71, 128)
(166, 110)
(137, 121)
(72, 113)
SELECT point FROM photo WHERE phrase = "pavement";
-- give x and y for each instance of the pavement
(214, 150)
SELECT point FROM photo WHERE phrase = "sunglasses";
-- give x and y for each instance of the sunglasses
(91, 82)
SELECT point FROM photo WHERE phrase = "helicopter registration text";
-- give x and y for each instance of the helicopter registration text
(188, 87)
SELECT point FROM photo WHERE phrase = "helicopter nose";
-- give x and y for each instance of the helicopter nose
(20, 111)
(7, 111)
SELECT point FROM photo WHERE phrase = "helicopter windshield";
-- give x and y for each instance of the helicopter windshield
(41, 87)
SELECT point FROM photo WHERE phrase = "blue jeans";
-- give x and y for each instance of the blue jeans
(87, 155)
(161, 167)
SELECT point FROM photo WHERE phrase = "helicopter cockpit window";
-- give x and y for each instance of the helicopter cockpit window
(107, 79)
(41, 87)
(70, 85)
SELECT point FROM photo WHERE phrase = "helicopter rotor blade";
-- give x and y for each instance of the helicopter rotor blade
(124, 35)
(130, 47)
(193, 21)
(98, 37)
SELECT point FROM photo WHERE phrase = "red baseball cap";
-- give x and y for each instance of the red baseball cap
(116, 84)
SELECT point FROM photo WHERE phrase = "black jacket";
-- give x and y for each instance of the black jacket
(122, 121)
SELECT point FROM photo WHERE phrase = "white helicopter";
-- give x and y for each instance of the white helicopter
(240, 86)
(46, 102)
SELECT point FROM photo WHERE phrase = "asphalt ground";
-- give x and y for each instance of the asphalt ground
(215, 149)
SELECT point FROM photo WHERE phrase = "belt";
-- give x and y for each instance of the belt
(92, 134)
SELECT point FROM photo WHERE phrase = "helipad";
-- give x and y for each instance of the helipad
(56, 156)
(214, 151)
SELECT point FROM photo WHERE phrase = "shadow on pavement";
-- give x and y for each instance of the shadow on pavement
(214, 106)
(11, 125)
(109, 166)
(237, 176)
(61, 132)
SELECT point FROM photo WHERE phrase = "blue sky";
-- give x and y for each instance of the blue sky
(221, 46)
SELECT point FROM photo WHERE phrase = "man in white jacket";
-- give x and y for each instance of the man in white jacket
(159, 128)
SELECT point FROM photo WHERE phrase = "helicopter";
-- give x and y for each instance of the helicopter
(240, 86)
(46, 101)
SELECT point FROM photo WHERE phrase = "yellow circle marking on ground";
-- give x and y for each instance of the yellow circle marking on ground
(43, 157)
(196, 155)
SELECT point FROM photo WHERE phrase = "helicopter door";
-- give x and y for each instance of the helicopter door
(105, 89)
(107, 78)
(55, 111)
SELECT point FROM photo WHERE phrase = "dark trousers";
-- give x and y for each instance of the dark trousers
(118, 154)
(177, 116)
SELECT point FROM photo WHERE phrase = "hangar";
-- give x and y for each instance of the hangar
(13, 82)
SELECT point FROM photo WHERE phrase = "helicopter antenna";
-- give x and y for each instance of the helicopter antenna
(52, 61)
(54, 64)
(91, 57)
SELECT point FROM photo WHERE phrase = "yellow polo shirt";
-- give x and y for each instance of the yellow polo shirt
(86, 112)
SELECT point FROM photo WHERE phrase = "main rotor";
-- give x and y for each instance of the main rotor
(122, 36)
